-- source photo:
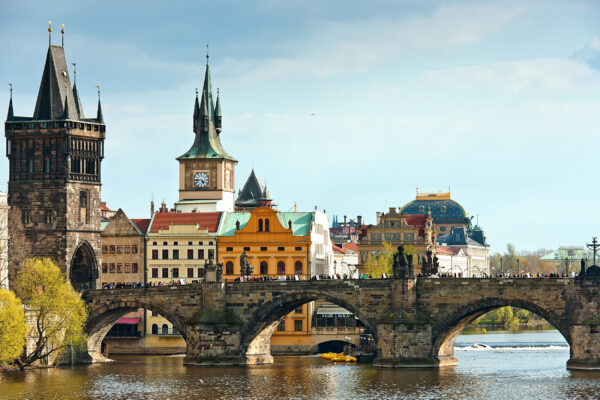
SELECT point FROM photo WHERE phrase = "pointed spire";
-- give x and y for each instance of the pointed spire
(66, 112)
(99, 116)
(218, 114)
(196, 112)
(78, 106)
(10, 114)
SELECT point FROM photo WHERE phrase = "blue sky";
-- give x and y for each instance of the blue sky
(498, 100)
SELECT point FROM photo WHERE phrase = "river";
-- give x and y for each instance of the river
(523, 365)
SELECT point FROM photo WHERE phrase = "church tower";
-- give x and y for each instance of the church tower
(206, 171)
(54, 176)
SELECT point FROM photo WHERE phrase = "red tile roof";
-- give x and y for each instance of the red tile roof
(142, 223)
(103, 206)
(337, 249)
(446, 250)
(416, 219)
(205, 220)
(351, 246)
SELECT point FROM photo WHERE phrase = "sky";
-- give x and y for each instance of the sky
(344, 105)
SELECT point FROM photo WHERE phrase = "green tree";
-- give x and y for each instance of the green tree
(59, 312)
(13, 327)
(382, 262)
(502, 316)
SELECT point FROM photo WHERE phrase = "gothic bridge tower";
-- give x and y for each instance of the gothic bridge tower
(54, 177)
(206, 170)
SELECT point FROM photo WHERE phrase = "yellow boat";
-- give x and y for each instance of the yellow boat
(343, 358)
(330, 356)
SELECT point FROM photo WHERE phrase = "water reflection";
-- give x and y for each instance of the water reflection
(502, 373)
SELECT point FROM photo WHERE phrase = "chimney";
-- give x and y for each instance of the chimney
(378, 214)
(151, 208)
(359, 220)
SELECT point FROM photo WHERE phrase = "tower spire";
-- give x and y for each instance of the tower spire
(66, 112)
(218, 114)
(99, 116)
(49, 33)
(62, 33)
(78, 106)
(196, 112)
(11, 114)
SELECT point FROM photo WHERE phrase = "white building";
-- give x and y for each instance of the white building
(474, 247)
(345, 260)
(3, 241)
(321, 249)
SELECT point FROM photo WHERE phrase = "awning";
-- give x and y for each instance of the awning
(128, 321)
(328, 310)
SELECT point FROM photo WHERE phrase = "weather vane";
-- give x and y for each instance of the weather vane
(98, 87)
(10, 85)
(207, 56)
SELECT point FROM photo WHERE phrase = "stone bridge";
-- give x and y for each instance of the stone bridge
(414, 322)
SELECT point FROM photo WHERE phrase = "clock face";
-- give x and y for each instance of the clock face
(201, 179)
(227, 179)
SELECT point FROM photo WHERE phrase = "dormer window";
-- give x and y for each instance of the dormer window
(443, 208)
(422, 208)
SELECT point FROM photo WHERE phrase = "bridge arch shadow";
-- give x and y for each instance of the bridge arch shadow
(102, 319)
(257, 332)
(450, 327)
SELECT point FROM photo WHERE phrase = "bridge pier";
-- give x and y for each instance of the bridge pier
(585, 346)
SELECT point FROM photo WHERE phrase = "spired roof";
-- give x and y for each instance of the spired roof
(253, 193)
(208, 220)
(55, 89)
(207, 143)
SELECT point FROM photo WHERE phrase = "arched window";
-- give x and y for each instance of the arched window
(281, 268)
(165, 329)
(229, 268)
(421, 208)
(298, 267)
(266, 224)
(264, 268)
(260, 225)
(154, 329)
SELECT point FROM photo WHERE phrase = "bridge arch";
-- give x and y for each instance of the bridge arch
(449, 328)
(264, 320)
(102, 318)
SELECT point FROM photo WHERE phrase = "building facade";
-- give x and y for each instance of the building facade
(474, 246)
(54, 176)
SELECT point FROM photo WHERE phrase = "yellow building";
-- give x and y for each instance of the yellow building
(278, 246)
(177, 247)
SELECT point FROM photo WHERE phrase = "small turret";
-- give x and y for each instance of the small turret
(99, 116)
(66, 112)
(196, 112)
(218, 114)
(10, 114)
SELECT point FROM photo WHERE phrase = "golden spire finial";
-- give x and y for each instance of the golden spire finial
(49, 33)
(196, 92)
(74, 73)
(98, 87)
(62, 32)
(207, 56)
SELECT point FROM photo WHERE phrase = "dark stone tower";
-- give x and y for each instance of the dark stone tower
(54, 177)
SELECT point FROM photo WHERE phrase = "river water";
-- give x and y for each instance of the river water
(524, 365)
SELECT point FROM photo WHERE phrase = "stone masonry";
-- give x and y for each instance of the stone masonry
(414, 322)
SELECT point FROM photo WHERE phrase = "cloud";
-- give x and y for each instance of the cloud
(589, 52)
(519, 76)
(353, 46)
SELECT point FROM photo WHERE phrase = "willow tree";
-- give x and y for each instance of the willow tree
(58, 312)
(13, 328)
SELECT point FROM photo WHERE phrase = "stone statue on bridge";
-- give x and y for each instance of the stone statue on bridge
(403, 265)
(213, 272)
(245, 268)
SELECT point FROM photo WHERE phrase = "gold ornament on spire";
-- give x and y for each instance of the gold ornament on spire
(62, 32)
(49, 33)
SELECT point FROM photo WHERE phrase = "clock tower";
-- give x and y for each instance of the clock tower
(206, 169)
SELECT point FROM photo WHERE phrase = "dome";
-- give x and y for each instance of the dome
(443, 209)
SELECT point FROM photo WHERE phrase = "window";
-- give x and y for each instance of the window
(104, 268)
(443, 208)
(211, 253)
(229, 268)
(442, 229)
(104, 249)
(190, 272)
(165, 243)
(200, 254)
(175, 254)
(260, 225)
(165, 329)
(134, 249)
(49, 216)
(246, 248)
(298, 248)
(175, 243)
(200, 243)
(165, 254)
(298, 267)
(409, 237)
(83, 206)
(175, 272)
(119, 268)
(134, 268)
(200, 272)
(298, 325)
(190, 254)
(281, 249)
(154, 243)
(26, 217)
(111, 268)
(281, 326)
(119, 249)
(155, 272)
(154, 329)
(127, 249)
(155, 254)
(30, 165)
(47, 165)
(421, 208)
(127, 268)
(210, 243)
(266, 224)
(190, 244)
(112, 249)
(229, 249)
(165, 272)
(281, 268)
(263, 249)
(298, 310)
(264, 268)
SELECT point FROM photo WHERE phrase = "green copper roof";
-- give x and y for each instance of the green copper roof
(568, 252)
(301, 221)
(228, 224)
(207, 143)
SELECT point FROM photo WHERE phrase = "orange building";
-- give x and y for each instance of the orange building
(278, 246)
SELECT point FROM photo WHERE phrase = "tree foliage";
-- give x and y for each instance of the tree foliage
(382, 262)
(59, 312)
(13, 327)
(502, 316)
